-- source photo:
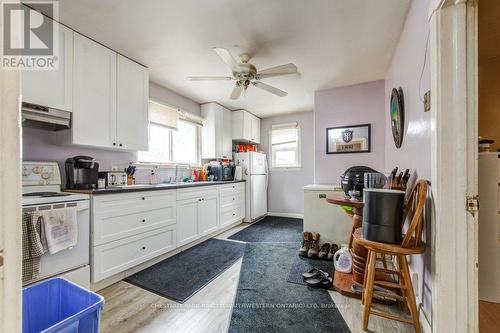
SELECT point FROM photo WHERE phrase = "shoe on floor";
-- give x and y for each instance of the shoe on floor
(314, 246)
(320, 280)
(313, 273)
(306, 244)
(324, 250)
(333, 248)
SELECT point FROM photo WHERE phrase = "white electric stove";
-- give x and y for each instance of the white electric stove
(42, 191)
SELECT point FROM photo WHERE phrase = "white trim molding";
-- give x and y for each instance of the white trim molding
(10, 197)
(292, 215)
(454, 165)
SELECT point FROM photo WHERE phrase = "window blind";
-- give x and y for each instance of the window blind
(162, 114)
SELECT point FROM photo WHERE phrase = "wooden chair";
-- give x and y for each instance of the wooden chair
(412, 244)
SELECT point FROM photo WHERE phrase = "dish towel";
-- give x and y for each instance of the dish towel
(32, 245)
(60, 230)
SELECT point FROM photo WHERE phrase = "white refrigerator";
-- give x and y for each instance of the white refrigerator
(255, 173)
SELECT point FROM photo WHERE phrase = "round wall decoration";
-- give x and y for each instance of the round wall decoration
(397, 116)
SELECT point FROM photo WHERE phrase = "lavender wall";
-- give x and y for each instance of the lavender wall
(415, 153)
(351, 105)
(285, 192)
(39, 145)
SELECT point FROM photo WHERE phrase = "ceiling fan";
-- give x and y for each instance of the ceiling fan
(246, 74)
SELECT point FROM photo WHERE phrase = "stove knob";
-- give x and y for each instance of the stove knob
(46, 175)
(26, 172)
(36, 170)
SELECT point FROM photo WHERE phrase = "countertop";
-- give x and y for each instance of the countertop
(146, 187)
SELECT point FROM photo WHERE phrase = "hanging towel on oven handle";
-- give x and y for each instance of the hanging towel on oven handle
(32, 245)
(60, 229)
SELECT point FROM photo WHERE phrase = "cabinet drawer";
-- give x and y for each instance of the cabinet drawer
(129, 203)
(118, 256)
(111, 226)
(231, 199)
(233, 215)
(230, 189)
(194, 193)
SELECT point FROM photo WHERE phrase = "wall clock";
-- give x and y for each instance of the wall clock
(397, 116)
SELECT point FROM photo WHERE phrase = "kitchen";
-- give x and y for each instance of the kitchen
(177, 173)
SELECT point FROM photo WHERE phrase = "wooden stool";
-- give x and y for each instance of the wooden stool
(412, 244)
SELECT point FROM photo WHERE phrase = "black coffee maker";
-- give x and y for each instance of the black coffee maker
(81, 173)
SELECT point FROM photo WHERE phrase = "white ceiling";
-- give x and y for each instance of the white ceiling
(333, 42)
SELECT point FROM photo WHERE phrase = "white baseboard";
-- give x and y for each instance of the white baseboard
(293, 215)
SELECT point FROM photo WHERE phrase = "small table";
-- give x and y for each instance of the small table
(344, 282)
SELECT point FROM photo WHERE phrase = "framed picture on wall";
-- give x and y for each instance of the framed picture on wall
(348, 139)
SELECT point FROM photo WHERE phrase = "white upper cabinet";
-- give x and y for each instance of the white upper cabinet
(216, 132)
(94, 98)
(246, 127)
(52, 88)
(132, 105)
(110, 98)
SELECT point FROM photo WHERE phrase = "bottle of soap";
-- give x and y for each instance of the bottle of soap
(153, 179)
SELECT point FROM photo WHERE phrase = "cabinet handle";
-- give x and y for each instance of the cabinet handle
(143, 220)
(143, 248)
(114, 143)
(143, 198)
(233, 199)
(120, 145)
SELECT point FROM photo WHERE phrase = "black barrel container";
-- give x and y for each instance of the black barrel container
(383, 215)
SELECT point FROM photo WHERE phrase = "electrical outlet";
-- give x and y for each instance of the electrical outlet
(414, 278)
(427, 101)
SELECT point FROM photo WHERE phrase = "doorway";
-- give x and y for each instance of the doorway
(489, 164)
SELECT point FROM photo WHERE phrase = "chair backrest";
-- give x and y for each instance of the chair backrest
(415, 211)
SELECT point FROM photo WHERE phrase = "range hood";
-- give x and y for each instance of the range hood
(42, 117)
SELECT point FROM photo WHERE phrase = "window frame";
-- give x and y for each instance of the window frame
(170, 161)
(298, 150)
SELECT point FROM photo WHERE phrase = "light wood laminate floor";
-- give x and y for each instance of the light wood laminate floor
(132, 309)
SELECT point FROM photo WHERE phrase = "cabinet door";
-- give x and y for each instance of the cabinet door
(187, 221)
(132, 105)
(227, 143)
(52, 88)
(255, 137)
(94, 94)
(247, 125)
(207, 215)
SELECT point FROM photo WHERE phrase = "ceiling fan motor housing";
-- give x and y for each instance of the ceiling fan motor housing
(245, 71)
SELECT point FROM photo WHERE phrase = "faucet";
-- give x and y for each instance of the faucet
(186, 166)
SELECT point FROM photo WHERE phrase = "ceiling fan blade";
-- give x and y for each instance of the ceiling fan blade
(236, 92)
(226, 57)
(204, 78)
(277, 71)
(271, 89)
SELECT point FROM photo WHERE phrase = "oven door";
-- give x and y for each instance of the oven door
(69, 259)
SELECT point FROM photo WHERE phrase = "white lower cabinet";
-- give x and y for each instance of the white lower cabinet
(117, 256)
(129, 229)
(232, 203)
(207, 213)
(187, 218)
(197, 213)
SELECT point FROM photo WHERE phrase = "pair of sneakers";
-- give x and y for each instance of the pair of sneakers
(310, 247)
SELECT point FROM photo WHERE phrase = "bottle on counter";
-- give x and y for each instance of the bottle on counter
(153, 178)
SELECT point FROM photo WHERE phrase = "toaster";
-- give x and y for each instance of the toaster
(114, 178)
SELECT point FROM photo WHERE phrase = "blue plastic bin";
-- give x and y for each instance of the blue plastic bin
(58, 305)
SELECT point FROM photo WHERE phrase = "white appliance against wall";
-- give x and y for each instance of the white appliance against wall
(330, 221)
(42, 191)
(255, 173)
(489, 227)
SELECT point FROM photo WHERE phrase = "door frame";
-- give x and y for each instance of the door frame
(454, 131)
(10, 199)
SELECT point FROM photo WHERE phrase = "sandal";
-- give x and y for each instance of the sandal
(313, 273)
(320, 281)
